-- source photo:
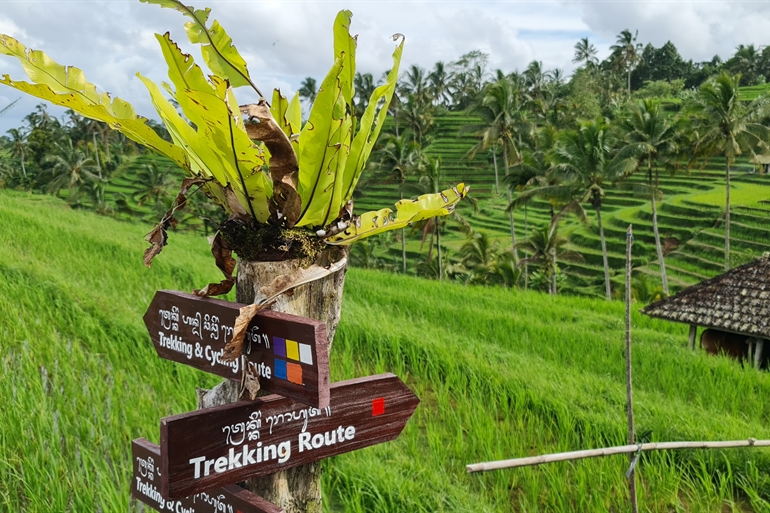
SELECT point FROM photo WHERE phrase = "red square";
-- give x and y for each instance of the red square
(378, 406)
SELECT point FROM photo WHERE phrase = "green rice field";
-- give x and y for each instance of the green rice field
(501, 373)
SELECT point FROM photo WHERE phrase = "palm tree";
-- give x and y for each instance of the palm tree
(416, 85)
(364, 85)
(418, 116)
(585, 52)
(627, 53)
(503, 120)
(728, 127)
(583, 162)
(308, 89)
(399, 158)
(70, 168)
(438, 87)
(17, 143)
(154, 187)
(651, 135)
(546, 244)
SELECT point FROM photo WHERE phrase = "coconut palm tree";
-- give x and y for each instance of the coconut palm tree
(502, 109)
(17, 144)
(398, 158)
(364, 85)
(726, 126)
(585, 52)
(584, 161)
(308, 89)
(546, 246)
(627, 53)
(416, 85)
(653, 136)
(417, 116)
(70, 168)
(438, 85)
(155, 187)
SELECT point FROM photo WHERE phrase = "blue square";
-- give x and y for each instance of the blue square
(279, 346)
(280, 369)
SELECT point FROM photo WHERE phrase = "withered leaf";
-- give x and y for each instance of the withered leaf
(234, 347)
(157, 239)
(158, 236)
(223, 256)
(284, 167)
(249, 382)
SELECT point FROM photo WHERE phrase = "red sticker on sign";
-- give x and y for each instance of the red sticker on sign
(378, 406)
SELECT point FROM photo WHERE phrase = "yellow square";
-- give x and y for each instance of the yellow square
(292, 350)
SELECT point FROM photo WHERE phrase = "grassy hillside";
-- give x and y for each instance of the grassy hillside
(501, 373)
(690, 216)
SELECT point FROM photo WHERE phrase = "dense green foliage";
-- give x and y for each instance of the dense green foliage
(500, 373)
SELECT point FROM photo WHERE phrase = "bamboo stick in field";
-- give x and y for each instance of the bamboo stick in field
(629, 387)
(610, 451)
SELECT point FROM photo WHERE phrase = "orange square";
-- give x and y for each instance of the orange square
(294, 373)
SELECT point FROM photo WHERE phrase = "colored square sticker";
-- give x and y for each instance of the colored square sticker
(292, 352)
(305, 354)
(294, 373)
(280, 369)
(280, 347)
(378, 406)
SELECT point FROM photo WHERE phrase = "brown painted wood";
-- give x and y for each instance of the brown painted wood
(145, 487)
(275, 433)
(192, 330)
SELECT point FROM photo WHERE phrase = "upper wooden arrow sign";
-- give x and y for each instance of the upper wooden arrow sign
(145, 486)
(217, 446)
(290, 354)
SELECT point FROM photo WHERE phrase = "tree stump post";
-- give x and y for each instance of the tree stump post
(298, 489)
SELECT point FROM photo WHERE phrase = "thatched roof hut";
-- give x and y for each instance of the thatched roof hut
(737, 301)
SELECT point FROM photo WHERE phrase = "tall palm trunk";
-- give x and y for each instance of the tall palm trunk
(403, 239)
(727, 213)
(438, 250)
(96, 157)
(494, 159)
(554, 271)
(526, 235)
(604, 252)
(629, 82)
(658, 247)
(23, 167)
(510, 212)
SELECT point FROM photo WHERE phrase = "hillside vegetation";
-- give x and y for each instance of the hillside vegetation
(501, 373)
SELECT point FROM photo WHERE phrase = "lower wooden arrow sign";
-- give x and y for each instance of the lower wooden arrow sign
(146, 481)
(217, 446)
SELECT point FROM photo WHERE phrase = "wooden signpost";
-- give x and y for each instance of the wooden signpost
(290, 354)
(145, 487)
(210, 448)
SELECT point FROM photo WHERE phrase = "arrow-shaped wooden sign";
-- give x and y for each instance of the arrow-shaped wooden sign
(217, 446)
(145, 487)
(290, 354)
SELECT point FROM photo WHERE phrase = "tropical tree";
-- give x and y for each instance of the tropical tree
(546, 244)
(503, 119)
(416, 85)
(728, 127)
(399, 158)
(585, 52)
(69, 168)
(627, 53)
(652, 136)
(584, 162)
(308, 90)
(154, 187)
(438, 85)
(364, 84)
(417, 116)
(16, 142)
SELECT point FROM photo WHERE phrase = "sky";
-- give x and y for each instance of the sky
(285, 41)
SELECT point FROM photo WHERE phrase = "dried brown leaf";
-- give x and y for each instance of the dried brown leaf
(157, 239)
(235, 345)
(223, 256)
(284, 168)
(249, 381)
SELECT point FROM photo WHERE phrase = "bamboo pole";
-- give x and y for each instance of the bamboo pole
(629, 387)
(610, 451)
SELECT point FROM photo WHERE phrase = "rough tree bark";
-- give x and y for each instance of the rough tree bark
(298, 489)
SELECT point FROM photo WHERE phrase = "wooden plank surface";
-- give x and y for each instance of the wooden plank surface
(145, 487)
(290, 354)
(226, 444)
